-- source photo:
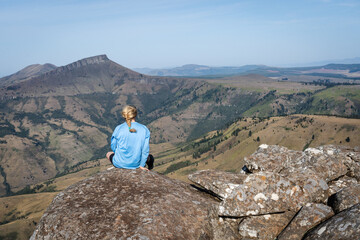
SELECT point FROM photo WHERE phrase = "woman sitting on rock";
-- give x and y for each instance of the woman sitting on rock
(130, 143)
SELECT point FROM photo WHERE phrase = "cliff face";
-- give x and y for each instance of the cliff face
(288, 195)
(81, 63)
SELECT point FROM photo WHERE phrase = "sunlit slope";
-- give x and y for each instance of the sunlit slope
(336, 99)
(226, 149)
(20, 214)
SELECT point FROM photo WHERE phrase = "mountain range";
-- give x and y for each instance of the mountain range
(55, 119)
(351, 71)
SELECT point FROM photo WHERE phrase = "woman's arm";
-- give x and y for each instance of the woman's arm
(114, 140)
(145, 149)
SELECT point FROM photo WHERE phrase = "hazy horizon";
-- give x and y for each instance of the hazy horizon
(162, 34)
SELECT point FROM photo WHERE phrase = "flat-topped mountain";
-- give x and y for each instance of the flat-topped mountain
(89, 75)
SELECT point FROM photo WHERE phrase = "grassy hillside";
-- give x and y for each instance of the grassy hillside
(20, 214)
(226, 149)
(345, 99)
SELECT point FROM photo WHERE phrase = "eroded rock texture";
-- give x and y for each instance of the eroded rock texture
(345, 225)
(263, 193)
(126, 204)
(345, 198)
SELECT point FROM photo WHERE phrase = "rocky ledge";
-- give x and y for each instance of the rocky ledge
(286, 194)
(83, 62)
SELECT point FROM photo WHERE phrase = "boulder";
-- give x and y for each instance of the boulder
(273, 158)
(327, 162)
(263, 193)
(219, 182)
(264, 226)
(308, 217)
(345, 225)
(127, 204)
(346, 198)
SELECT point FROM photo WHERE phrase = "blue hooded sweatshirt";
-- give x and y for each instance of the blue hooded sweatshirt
(131, 149)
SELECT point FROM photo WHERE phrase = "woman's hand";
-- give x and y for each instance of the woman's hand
(145, 169)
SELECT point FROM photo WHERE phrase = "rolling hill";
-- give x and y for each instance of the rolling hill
(26, 73)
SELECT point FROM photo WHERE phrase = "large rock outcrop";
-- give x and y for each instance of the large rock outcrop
(286, 195)
(328, 162)
(126, 204)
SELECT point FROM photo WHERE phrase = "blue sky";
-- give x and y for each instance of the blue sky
(159, 33)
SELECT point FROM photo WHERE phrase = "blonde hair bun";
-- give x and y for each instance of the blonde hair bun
(129, 113)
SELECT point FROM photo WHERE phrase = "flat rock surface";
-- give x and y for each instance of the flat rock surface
(308, 217)
(346, 198)
(126, 204)
(263, 193)
(345, 225)
(218, 182)
(274, 158)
